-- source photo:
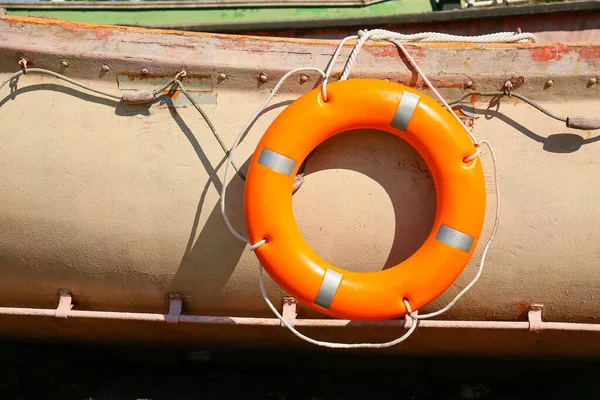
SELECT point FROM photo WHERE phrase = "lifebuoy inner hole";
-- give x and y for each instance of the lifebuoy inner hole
(368, 201)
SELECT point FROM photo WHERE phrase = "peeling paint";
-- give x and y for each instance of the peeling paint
(590, 52)
(554, 52)
(102, 33)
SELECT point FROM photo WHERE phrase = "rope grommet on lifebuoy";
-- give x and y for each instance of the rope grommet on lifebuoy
(408, 114)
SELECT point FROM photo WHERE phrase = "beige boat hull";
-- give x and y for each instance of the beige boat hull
(119, 204)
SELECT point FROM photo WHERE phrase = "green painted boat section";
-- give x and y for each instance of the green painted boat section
(224, 16)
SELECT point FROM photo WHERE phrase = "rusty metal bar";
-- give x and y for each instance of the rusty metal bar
(534, 323)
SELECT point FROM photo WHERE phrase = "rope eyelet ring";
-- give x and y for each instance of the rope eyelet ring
(23, 64)
(473, 156)
(258, 244)
(180, 74)
(508, 86)
(407, 305)
(324, 90)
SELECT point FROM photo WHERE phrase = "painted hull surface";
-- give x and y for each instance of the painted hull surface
(118, 204)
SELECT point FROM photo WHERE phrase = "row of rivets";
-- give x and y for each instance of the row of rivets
(263, 77)
(548, 84)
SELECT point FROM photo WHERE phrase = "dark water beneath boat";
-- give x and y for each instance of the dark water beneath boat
(35, 371)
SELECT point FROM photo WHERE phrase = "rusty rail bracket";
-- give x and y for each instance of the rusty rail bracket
(534, 316)
(289, 311)
(65, 304)
(175, 308)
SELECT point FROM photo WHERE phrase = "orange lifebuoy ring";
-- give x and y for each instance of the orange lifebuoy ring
(408, 114)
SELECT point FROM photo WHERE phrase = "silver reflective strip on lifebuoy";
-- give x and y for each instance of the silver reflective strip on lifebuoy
(454, 238)
(405, 111)
(331, 282)
(276, 162)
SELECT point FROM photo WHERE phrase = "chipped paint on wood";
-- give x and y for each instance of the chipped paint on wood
(552, 52)
(242, 58)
